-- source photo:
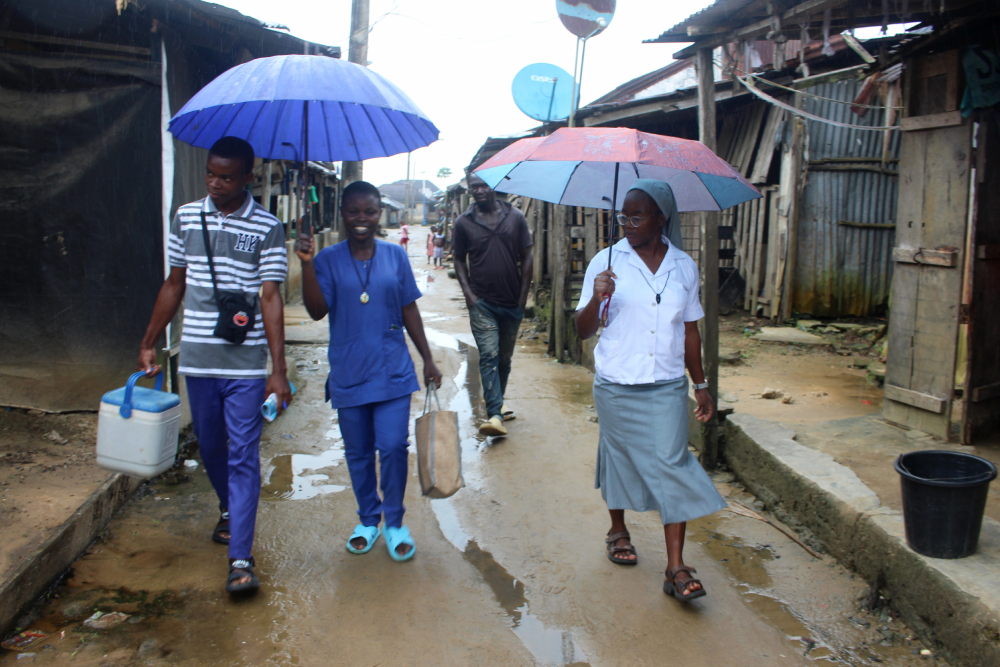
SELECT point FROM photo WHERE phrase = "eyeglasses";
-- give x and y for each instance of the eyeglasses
(634, 221)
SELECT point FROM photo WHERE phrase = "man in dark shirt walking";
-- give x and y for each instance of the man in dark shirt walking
(493, 262)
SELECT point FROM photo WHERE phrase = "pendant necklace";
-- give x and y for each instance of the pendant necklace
(653, 286)
(364, 283)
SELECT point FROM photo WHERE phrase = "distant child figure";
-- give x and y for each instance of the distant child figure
(430, 244)
(438, 248)
(405, 228)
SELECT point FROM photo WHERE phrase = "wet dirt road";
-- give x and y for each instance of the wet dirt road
(510, 571)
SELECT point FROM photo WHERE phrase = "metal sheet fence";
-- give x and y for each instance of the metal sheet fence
(848, 210)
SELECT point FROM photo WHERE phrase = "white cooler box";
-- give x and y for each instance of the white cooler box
(137, 429)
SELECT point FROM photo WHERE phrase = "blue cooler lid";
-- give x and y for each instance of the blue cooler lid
(141, 398)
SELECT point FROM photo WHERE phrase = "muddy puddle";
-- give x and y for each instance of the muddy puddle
(836, 631)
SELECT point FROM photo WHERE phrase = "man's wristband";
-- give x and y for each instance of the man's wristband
(703, 385)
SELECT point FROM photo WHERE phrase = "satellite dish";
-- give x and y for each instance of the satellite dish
(586, 18)
(543, 91)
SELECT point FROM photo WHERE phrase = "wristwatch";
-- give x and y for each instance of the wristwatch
(703, 385)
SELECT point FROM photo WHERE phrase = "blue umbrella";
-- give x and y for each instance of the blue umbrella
(305, 107)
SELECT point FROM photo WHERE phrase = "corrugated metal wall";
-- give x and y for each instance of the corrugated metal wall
(844, 262)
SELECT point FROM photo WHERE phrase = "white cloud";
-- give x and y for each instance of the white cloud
(456, 59)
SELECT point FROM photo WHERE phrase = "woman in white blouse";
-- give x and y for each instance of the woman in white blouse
(640, 388)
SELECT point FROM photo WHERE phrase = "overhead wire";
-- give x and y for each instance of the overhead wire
(800, 92)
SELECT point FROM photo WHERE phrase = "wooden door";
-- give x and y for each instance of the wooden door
(981, 303)
(932, 220)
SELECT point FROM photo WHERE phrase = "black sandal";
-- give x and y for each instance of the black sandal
(613, 551)
(239, 569)
(671, 587)
(222, 526)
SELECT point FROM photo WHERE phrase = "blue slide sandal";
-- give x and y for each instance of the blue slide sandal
(368, 533)
(396, 536)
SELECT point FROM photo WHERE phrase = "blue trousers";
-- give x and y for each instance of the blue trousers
(381, 427)
(495, 330)
(227, 423)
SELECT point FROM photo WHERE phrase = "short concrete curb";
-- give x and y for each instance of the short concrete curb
(52, 558)
(952, 604)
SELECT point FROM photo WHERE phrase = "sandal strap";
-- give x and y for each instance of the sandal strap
(687, 583)
(242, 564)
(617, 536)
(629, 549)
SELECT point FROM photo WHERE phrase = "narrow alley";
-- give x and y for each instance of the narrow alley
(510, 571)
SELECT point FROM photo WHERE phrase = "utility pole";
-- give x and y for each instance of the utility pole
(357, 53)
(406, 198)
(709, 260)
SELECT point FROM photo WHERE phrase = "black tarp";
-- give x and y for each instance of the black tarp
(81, 231)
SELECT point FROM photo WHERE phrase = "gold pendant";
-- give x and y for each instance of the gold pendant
(364, 297)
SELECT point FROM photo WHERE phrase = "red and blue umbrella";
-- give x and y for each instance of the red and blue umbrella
(595, 167)
(303, 107)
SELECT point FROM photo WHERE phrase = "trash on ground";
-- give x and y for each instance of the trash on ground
(102, 621)
(24, 640)
(788, 335)
(56, 438)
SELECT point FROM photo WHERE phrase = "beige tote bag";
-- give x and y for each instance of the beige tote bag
(439, 455)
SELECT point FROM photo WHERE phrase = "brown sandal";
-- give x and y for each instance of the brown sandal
(613, 551)
(670, 587)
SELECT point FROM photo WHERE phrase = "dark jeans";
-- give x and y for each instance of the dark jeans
(495, 331)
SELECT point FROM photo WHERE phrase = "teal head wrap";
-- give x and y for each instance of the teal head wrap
(664, 198)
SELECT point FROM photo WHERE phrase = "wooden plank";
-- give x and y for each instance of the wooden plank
(710, 260)
(986, 392)
(854, 72)
(538, 269)
(729, 124)
(559, 273)
(590, 234)
(931, 121)
(758, 255)
(914, 399)
(749, 245)
(855, 46)
(765, 154)
(926, 256)
(923, 330)
(981, 417)
(750, 138)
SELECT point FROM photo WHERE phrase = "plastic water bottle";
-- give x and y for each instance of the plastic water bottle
(270, 408)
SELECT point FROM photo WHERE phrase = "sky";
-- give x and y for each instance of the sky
(456, 60)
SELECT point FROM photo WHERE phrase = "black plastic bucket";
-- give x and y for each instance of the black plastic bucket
(944, 498)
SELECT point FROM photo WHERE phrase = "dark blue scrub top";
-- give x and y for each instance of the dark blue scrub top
(369, 359)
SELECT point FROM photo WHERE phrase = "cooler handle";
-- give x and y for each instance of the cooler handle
(126, 409)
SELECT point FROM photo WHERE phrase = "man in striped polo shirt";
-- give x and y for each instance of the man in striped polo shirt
(227, 383)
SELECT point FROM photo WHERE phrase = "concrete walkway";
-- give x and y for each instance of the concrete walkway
(953, 604)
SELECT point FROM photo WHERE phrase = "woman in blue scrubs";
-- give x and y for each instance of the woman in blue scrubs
(367, 288)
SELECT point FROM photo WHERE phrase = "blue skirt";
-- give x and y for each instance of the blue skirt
(643, 462)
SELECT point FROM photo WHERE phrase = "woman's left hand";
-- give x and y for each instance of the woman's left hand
(706, 408)
(431, 374)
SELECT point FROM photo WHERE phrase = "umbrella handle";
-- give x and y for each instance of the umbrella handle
(605, 312)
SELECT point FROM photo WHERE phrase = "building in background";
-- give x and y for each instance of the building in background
(90, 179)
